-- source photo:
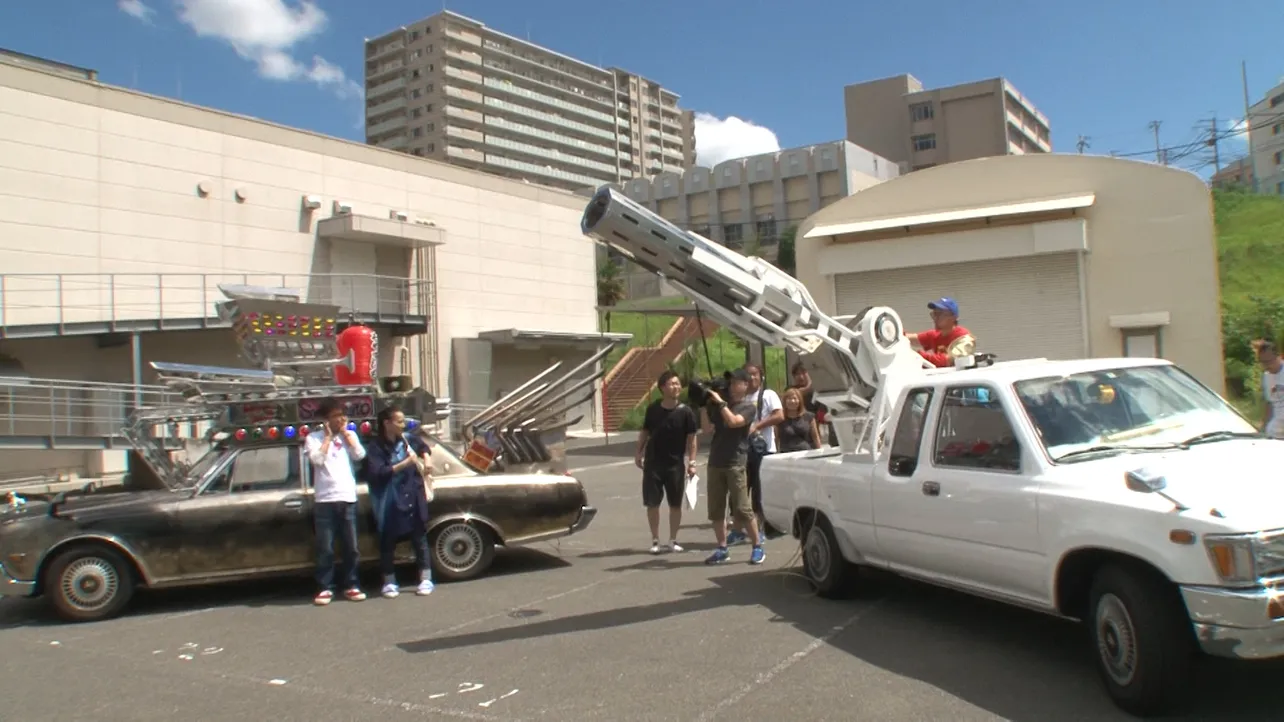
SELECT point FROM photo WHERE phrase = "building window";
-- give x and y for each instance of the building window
(924, 142)
(414, 54)
(766, 230)
(1142, 343)
(921, 166)
(1277, 100)
(921, 111)
(428, 108)
(432, 147)
(733, 234)
(417, 151)
(700, 231)
(430, 127)
(1275, 129)
(1279, 157)
(417, 132)
(414, 35)
(428, 89)
(414, 73)
(414, 93)
(1279, 188)
(416, 113)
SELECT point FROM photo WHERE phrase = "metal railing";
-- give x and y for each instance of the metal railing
(61, 299)
(72, 412)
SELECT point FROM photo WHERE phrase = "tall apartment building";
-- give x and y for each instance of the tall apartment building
(748, 203)
(1266, 134)
(899, 119)
(450, 88)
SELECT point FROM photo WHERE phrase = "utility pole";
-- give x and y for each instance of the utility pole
(1214, 141)
(1159, 154)
(1248, 125)
(1083, 144)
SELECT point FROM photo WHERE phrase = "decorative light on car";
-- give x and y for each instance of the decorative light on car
(365, 428)
(276, 324)
(352, 426)
(273, 432)
(290, 432)
(240, 434)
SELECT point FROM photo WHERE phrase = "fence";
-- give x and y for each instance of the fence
(72, 413)
(28, 299)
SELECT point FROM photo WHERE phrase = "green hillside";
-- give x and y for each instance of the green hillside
(1250, 240)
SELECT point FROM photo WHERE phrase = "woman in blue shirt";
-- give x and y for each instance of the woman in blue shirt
(398, 496)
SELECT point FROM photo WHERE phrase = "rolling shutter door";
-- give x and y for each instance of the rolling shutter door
(1017, 308)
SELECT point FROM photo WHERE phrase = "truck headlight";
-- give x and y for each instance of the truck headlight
(1233, 558)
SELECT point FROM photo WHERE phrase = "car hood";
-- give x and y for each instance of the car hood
(101, 504)
(1236, 480)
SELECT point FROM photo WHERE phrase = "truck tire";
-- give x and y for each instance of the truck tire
(823, 562)
(89, 583)
(1144, 641)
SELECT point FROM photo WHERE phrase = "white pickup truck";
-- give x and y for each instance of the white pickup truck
(1119, 492)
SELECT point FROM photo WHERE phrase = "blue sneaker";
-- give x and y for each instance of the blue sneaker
(762, 538)
(758, 556)
(736, 537)
(719, 556)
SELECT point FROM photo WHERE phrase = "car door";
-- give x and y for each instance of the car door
(976, 499)
(252, 517)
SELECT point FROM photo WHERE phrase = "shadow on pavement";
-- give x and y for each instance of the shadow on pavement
(1018, 665)
(294, 590)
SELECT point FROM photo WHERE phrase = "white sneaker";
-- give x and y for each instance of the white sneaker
(425, 588)
(675, 547)
(390, 591)
(655, 547)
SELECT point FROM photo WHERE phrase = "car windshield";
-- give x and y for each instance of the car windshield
(1126, 409)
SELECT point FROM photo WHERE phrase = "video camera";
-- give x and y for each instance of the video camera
(698, 390)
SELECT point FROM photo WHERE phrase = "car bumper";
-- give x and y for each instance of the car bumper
(11, 587)
(587, 515)
(1237, 623)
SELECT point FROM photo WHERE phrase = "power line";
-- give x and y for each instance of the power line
(1084, 143)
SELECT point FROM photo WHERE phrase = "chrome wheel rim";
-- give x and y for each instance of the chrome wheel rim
(459, 547)
(90, 583)
(818, 554)
(1116, 640)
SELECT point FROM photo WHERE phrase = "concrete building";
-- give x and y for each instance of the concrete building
(450, 88)
(1266, 136)
(1238, 172)
(746, 203)
(1057, 256)
(122, 213)
(918, 128)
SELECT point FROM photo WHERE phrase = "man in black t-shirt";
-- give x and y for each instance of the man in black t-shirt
(668, 433)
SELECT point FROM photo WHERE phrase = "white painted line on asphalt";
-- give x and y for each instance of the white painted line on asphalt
(601, 466)
(785, 664)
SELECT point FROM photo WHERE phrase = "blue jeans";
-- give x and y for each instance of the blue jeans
(336, 518)
(388, 556)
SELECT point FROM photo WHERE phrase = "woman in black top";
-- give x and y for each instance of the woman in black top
(798, 432)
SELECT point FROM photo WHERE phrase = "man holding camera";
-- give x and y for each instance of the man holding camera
(727, 475)
(768, 413)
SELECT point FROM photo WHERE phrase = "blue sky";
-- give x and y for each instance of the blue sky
(1100, 68)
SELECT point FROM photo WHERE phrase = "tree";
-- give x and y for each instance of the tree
(751, 245)
(610, 287)
(786, 260)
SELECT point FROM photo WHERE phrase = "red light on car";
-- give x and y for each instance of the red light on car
(273, 432)
(365, 427)
(241, 434)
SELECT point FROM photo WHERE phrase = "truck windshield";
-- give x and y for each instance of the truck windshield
(1126, 408)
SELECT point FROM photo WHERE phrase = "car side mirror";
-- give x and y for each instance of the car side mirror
(1145, 481)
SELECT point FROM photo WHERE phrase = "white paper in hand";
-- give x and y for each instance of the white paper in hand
(692, 490)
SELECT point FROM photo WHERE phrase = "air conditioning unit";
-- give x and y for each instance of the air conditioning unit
(342, 209)
(311, 202)
(398, 216)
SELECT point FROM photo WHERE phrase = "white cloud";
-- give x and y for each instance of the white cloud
(1238, 132)
(136, 9)
(719, 139)
(265, 32)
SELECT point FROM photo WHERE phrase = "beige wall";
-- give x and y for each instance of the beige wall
(100, 180)
(1150, 238)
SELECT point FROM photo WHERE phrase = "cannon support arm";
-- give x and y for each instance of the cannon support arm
(853, 355)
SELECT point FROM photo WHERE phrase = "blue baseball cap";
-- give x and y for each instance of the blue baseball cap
(946, 304)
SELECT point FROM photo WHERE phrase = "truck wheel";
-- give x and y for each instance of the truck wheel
(462, 550)
(89, 583)
(823, 561)
(1144, 640)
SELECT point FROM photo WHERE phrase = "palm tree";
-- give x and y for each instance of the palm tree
(610, 287)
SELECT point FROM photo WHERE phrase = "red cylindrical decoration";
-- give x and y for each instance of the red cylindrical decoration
(359, 347)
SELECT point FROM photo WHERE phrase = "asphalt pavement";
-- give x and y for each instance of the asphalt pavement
(591, 628)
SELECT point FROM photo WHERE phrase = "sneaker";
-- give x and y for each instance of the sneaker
(354, 595)
(655, 547)
(390, 591)
(762, 538)
(719, 556)
(425, 588)
(675, 547)
(758, 556)
(736, 537)
(323, 598)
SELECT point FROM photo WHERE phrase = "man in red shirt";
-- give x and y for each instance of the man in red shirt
(948, 340)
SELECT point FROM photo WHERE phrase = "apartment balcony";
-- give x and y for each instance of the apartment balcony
(387, 126)
(551, 154)
(551, 119)
(468, 76)
(385, 50)
(602, 81)
(463, 56)
(396, 104)
(384, 71)
(396, 85)
(467, 37)
(36, 305)
(508, 87)
(471, 96)
(468, 154)
(533, 132)
(475, 136)
(545, 171)
(471, 116)
(499, 67)
(393, 142)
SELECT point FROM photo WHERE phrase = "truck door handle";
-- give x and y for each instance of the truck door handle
(931, 488)
(292, 503)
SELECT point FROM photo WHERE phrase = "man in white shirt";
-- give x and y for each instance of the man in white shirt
(332, 451)
(1272, 389)
(768, 413)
